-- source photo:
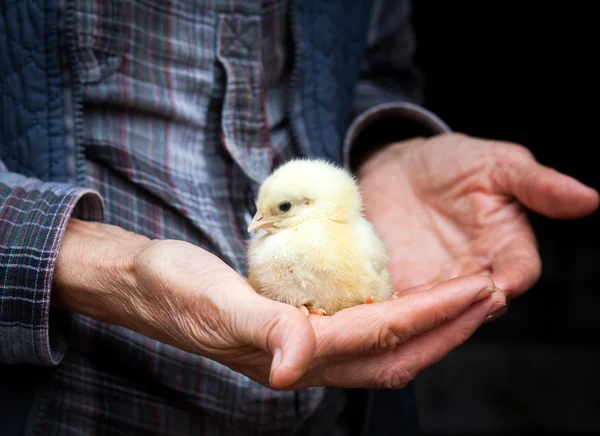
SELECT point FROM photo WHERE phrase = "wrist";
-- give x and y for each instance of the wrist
(388, 123)
(379, 136)
(94, 270)
(394, 151)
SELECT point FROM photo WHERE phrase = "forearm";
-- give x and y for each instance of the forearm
(118, 277)
(95, 271)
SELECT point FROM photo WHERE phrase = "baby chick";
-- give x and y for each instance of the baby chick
(315, 250)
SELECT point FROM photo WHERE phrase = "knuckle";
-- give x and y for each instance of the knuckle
(444, 313)
(486, 282)
(394, 379)
(518, 151)
(387, 339)
(477, 282)
(384, 337)
(522, 151)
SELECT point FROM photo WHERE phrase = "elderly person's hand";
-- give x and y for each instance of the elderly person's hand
(452, 205)
(182, 295)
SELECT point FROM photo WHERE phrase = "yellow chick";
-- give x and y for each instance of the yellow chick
(314, 248)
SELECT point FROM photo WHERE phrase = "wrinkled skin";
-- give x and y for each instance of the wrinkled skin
(452, 205)
(179, 294)
(439, 204)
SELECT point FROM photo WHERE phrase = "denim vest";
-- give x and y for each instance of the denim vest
(329, 42)
(35, 133)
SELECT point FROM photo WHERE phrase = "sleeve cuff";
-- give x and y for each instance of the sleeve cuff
(33, 218)
(386, 123)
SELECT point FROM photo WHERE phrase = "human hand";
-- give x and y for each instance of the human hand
(452, 205)
(385, 345)
(181, 295)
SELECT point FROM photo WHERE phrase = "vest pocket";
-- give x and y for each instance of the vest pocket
(99, 37)
(243, 121)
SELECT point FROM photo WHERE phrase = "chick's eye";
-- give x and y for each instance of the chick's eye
(284, 207)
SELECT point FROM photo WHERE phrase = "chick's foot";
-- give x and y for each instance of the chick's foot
(303, 309)
(308, 309)
(316, 311)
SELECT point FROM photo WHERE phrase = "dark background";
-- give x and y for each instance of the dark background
(523, 71)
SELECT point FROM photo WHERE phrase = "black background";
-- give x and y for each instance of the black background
(523, 71)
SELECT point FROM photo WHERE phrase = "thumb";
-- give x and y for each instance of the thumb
(285, 333)
(547, 191)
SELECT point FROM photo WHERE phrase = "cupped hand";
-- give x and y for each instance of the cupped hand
(452, 205)
(385, 345)
(182, 295)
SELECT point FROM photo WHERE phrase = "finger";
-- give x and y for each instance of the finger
(430, 347)
(282, 331)
(412, 290)
(499, 313)
(466, 265)
(395, 368)
(381, 326)
(516, 266)
(545, 190)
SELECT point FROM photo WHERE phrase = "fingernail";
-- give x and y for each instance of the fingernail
(496, 310)
(275, 363)
(394, 296)
(485, 293)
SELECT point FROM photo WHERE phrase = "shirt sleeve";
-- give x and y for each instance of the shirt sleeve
(387, 104)
(33, 217)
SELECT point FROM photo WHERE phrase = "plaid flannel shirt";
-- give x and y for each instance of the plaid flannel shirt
(185, 111)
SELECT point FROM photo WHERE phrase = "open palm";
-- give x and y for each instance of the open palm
(452, 205)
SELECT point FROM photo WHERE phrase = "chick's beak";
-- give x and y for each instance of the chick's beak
(258, 222)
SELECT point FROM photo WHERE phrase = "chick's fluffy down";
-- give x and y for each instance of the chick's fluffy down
(322, 252)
